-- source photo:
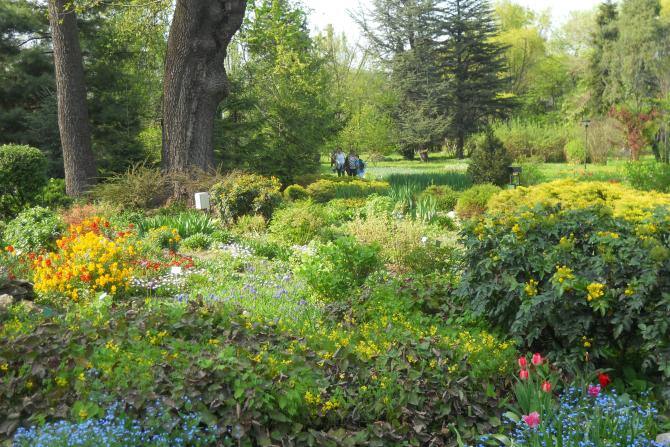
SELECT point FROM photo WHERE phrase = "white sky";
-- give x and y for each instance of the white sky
(334, 12)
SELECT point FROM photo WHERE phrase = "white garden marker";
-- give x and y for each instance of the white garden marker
(202, 200)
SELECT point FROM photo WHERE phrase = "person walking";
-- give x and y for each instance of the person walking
(340, 160)
(352, 164)
(361, 167)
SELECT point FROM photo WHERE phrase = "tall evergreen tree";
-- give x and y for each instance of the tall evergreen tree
(402, 35)
(471, 63)
(603, 40)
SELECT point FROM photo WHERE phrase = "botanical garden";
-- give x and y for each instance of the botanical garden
(222, 227)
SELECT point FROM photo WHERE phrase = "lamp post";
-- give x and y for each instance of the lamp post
(586, 123)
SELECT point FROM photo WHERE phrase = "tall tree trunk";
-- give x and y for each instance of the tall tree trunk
(195, 79)
(460, 145)
(73, 123)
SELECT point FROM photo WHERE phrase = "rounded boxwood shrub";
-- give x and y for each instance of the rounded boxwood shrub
(577, 283)
(23, 174)
(295, 192)
(475, 200)
(298, 224)
(241, 194)
(34, 229)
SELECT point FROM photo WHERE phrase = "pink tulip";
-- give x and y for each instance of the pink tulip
(594, 390)
(523, 363)
(523, 374)
(533, 419)
(546, 387)
(537, 359)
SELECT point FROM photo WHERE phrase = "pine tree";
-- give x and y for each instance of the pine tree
(402, 36)
(471, 64)
(603, 39)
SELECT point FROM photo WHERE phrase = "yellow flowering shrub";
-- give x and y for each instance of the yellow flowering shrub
(90, 258)
(624, 201)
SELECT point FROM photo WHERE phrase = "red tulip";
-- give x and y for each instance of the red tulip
(523, 374)
(594, 390)
(537, 359)
(546, 387)
(604, 380)
(523, 363)
(533, 419)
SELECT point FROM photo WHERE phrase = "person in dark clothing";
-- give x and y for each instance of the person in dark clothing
(352, 164)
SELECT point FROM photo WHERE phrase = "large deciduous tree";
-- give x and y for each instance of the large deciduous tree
(195, 79)
(73, 121)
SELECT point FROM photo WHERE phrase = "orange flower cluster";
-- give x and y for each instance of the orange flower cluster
(90, 259)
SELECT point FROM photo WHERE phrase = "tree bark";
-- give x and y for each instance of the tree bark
(73, 121)
(195, 79)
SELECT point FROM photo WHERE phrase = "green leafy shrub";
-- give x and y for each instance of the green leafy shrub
(649, 175)
(298, 224)
(475, 200)
(575, 152)
(197, 241)
(490, 162)
(408, 245)
(241, 194)
(53, 194)
(376, 205)
(34, 229)
(296, 192)
(444, 196)
(267, 248)
(163, 238)
(337, 269)
(23, 174)
(339, 211)
(575, 281)
(250, 225)
(524, 139)
(326, 190)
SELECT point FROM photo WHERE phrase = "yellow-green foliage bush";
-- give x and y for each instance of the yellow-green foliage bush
(570, 194)
(444, 196)
(407, 244)
(241, 194)
(295, 192)
(250, 225)
(475, 200)
(325, 190)
(299, 223)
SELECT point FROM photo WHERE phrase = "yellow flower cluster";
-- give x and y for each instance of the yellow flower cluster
(608, 234)
(531, 288)
(87, 261)
(595, 290)
(563, 274)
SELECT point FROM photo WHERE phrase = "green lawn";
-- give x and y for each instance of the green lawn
(438, 163)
